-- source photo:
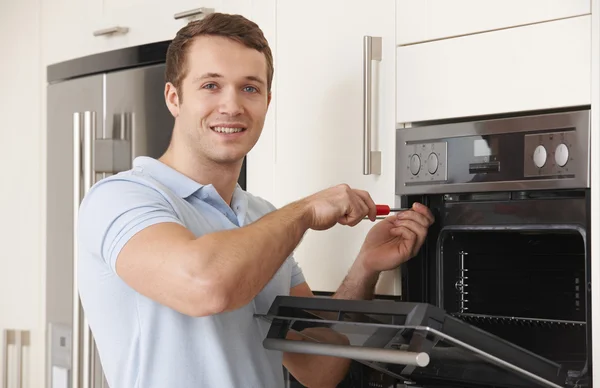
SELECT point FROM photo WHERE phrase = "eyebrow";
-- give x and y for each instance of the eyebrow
(217, 75)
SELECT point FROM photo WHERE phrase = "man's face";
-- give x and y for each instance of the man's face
(225, 99)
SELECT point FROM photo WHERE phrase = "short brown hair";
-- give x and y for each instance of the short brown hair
(234, 27)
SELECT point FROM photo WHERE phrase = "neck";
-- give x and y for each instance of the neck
(223, 177)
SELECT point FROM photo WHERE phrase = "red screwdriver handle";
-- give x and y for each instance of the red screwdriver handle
(382, 210)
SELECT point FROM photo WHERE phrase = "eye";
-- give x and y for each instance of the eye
(250, 89)
(209, 86)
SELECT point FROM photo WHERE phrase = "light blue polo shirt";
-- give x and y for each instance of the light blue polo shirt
(143, 344)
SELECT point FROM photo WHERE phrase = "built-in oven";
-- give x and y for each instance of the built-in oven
(499, 295)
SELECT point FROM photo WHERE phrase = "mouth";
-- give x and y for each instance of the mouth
(228, 129)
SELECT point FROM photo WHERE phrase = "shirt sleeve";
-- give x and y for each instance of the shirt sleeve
(114, 211)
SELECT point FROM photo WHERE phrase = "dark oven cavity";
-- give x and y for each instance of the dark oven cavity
(526, 286)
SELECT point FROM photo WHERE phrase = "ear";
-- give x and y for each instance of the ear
(172, 99)
(269, 99)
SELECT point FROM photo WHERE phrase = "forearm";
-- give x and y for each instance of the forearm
(245, 259)
(323, 371)
(359, 283)
(314, 370)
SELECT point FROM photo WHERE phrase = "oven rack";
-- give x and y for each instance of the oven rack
(518, 321)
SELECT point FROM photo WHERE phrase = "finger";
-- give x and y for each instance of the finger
(354, 214)
(424, 210)
(359, 209)
(409, 238)
(414, 216)
(419, 230)
(366, 197)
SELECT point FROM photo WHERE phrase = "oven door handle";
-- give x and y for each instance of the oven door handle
(401, 357)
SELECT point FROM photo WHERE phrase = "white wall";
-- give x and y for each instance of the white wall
(21, 188)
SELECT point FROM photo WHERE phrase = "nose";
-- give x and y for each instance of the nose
(230, 103)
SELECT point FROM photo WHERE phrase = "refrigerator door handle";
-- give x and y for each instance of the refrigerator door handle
(371, 52)
(83, 150)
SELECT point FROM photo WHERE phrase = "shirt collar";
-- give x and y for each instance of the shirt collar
(180, 184)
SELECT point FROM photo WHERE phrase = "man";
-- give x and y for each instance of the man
(175, 259)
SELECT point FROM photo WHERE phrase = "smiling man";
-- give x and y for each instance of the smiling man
(175, 258)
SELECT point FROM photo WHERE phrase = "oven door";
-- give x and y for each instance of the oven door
(416, 343)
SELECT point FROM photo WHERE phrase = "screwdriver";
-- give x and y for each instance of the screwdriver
(384, 210)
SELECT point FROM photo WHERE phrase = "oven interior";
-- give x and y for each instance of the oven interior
(525, 286)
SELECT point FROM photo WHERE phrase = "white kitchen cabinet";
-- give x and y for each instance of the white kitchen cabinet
(155, 20)
(319, 119)
(21, 201)
(67, 28)
(73, 28)
(540, 66)
(425, 20)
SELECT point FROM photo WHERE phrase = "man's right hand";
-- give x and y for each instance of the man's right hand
(338, 204)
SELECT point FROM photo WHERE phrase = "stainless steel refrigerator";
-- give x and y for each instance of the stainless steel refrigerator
(102, 111)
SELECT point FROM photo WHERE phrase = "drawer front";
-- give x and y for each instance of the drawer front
(541, 66)
(425, 20)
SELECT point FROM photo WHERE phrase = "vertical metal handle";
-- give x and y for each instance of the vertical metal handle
(19, 337)
(83, 161)
(371, 52)
(19, 357)
(4, 382)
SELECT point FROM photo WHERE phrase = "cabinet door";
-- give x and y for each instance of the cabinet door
(424, 20)
(542, 66)
(155, 20)
(67, 30)
(319, 119)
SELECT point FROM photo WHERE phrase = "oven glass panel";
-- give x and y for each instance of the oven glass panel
(525, 287)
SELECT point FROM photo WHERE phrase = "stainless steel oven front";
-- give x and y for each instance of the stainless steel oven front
(509, 252)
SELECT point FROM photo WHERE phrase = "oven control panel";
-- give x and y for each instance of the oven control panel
(427, 162)
(549, 154)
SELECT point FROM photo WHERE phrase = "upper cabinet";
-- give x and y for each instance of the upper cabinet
(425, 20)
(332, 92)
(73, 28)
(539, 66)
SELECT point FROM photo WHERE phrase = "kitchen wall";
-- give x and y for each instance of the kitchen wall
(22, 187)
(438, 59)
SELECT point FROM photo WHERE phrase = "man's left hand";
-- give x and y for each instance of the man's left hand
(395, 239)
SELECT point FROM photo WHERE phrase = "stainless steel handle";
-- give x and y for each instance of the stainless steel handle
(83, 165)
(193, 12)
(19, 357)
(19, 338)
(400, 357)
(111, 31)
(77, 145)
(371, 52)
(4, 382)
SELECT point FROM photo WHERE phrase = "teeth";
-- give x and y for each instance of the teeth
(227, 130)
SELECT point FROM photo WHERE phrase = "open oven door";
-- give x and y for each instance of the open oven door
(416, 343)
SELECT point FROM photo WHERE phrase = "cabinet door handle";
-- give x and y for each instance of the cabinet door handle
(193, 12)
(83, 167)
(111, 31)
(371, 52)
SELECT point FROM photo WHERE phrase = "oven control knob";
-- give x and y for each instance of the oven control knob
(432, 163)
(415, 164)
(561, 154)
(539, 156)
